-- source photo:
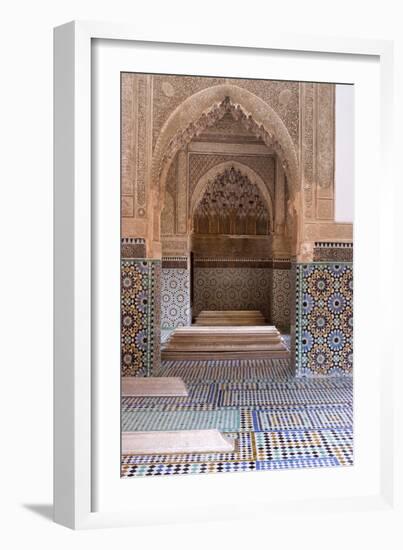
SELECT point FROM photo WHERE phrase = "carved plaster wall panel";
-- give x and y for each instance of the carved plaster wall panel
(137, 113)
(133, 248)
(325, 128)
(324, 209)
(333, 251)
(182, 192)
(170, 91)
(282, 96)
(127, 206)
(227, 130)
(204, 109)
(317, 149)
(129, 141)
(175, 246)
(171, 183)
(168, 215)
(307, 157)
(328, 231)
(279, 200)
(144, 136)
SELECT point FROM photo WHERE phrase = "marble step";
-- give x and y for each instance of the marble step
(176, 442)
(223, 342)
(227, 342)
(133, 386)
(225, 334)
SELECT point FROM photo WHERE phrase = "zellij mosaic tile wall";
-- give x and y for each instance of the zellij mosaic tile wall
(280, 298)
(175, 297)
(232, 288)
(324, 318)
(140, 315)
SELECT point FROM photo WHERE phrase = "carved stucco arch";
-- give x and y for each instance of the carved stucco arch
(218, 169)
(202, 110)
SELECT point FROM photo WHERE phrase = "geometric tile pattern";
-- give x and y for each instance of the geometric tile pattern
(291, 444)
(324, 318)
(232, 370)
(231, 288)
(277, 421)
(256, 395)
(175, 298)
(281, 298)
(140, 314)
(335, 417)
(225, 420)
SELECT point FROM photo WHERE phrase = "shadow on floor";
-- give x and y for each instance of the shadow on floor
(43, 510)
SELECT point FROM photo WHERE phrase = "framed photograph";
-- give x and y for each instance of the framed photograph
(219, 223)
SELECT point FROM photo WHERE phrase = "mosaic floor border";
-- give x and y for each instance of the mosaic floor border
(277, 421)
(224, 420)
(142, 470)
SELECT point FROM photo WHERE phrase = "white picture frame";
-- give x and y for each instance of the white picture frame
(80, 424)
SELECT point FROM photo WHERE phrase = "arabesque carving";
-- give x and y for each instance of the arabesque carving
(204, 109)
(183, 137)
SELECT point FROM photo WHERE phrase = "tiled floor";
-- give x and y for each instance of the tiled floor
(277, 421)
